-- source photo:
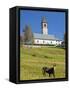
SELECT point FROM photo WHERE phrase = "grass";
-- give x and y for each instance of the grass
(33, 59)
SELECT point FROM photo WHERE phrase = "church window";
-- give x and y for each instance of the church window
(51, 42)
(37, 41)
(43, 41)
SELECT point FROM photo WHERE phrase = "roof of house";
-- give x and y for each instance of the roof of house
(44, 36)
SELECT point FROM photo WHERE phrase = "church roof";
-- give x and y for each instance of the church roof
(44, 20)
(44, 36)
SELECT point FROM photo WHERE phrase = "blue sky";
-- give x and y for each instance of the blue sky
(56, 21)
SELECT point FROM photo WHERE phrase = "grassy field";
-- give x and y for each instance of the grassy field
(33, 59)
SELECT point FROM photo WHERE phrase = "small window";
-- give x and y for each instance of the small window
(37, 41)
(51, 42)
(44, 25)
(43, 41)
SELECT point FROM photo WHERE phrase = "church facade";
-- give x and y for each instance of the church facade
(44, 37)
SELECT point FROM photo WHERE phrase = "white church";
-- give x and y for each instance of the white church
(44, 38)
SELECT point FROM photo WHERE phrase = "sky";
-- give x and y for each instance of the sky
(56, 22)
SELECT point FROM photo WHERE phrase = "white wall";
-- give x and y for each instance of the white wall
(51, 42)
(4, 45)
(45, 29)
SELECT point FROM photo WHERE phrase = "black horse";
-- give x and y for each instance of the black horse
(50, 71)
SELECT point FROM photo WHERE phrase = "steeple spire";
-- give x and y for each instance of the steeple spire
(44, 20)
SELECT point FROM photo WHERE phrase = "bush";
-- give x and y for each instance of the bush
(45, 56)
(34, 55)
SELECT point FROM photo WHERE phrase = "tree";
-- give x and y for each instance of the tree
(21, 40)
(28, 35)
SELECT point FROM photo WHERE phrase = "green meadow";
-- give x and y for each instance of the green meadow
(32, 60)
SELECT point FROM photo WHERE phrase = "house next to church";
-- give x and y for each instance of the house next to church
(45, 38)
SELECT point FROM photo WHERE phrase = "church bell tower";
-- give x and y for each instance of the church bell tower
(44, 26)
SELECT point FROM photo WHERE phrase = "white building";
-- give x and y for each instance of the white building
(44, 37)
